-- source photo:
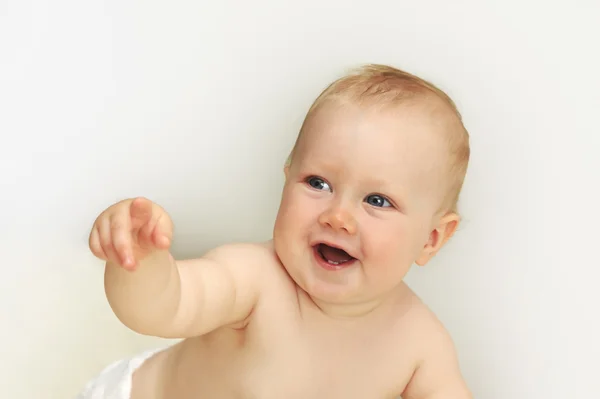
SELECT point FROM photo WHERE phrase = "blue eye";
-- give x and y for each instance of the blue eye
(318, 183)
(378, 201)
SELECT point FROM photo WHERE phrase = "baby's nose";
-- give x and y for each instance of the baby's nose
(339, 219)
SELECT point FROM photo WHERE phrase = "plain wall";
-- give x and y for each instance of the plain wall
(196, 104)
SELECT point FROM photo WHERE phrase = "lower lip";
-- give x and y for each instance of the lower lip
(330, 266)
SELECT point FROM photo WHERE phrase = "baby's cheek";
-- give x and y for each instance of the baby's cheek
(292, 218)
(390, 248)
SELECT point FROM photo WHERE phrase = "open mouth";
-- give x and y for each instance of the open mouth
(332, 256)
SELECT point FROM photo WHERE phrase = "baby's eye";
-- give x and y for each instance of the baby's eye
(318, 183)
(378, 200)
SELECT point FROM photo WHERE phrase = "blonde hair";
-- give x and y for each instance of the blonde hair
(386, 85)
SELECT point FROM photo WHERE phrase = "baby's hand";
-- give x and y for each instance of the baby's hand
(130, 230)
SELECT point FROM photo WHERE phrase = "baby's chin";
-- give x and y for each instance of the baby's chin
(340, 289)
(349, 294)
(321, 283)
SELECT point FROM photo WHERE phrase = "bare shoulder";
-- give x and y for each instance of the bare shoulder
(252, 254)
(437, 371)
(245, 260)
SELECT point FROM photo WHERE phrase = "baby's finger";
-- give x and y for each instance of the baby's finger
(145, 231)
(162, 235)
(140, 212)
(120, 230)
(106, 241)
(94, 243)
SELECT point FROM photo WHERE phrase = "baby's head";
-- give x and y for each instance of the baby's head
(376, 170)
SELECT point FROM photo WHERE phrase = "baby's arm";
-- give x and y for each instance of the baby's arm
(180, 299)
(153, 294)
(438, 374)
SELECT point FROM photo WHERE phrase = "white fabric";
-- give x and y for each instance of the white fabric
(114, 382)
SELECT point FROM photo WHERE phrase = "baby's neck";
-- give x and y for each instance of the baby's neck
(347, 311)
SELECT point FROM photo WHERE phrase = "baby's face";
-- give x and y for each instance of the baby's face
(366, 181)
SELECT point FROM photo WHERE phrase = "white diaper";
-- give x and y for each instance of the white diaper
(114, 382)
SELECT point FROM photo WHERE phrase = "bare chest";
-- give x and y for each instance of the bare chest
(326, 369)
(280, 363)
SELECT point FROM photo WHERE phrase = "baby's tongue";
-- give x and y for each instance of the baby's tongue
(334, 254)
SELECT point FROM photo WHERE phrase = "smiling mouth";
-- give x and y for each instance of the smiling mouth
(332, 255)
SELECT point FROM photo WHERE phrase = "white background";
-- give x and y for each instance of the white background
(195, 105)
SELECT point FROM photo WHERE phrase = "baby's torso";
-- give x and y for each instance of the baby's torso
(282, 353)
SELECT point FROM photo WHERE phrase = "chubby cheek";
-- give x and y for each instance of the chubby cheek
(388, 249)
(296, 214)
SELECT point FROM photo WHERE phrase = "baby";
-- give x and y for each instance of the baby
(321, 310)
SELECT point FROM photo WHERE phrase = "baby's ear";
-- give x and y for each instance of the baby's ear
(438, 237)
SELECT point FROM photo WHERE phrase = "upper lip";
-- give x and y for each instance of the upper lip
(338, 246)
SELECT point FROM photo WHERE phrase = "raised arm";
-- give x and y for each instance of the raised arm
(153, 294)
(180, 299)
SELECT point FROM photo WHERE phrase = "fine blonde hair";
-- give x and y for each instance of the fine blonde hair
(386, 85)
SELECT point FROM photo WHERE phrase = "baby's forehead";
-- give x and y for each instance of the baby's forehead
(376, 158)
(409, 128)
